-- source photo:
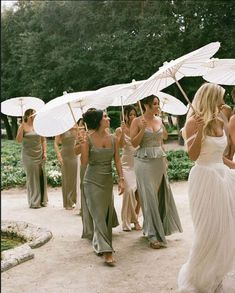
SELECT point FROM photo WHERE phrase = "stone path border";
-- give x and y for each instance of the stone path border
(34, 236)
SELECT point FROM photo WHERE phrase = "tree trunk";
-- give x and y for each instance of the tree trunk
(7, 126)
(180, 125)
(14, 126)
(170, 120)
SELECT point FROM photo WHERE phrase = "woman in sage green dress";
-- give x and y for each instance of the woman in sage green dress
(87, 222)
(34, 154)
(97, 152)
(157, 202)
(68, 161)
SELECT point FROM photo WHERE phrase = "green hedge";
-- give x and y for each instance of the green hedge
(13, 174)
(179, 165)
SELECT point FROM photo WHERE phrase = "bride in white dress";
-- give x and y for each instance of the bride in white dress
(211, 196)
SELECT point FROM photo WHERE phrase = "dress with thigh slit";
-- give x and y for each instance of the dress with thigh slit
(157, 202)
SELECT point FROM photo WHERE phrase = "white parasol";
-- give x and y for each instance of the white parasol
(222, 71)
(171, 105)
(190, 64)
(62, 113)
(215, 62)
(17, 106)
(117, 94)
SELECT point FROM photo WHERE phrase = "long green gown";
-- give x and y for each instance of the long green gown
(34, 167)
(69, 169)
(157, 202)
(98, 192)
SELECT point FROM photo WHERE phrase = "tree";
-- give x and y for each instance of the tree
(52, 46)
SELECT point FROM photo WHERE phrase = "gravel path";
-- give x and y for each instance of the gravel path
(67, 263)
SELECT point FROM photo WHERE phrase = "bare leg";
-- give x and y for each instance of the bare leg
(137, 208)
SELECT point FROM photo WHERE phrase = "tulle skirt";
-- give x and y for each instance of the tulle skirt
(212, 205)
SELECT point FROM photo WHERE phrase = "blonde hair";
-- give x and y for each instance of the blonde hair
(207, 102)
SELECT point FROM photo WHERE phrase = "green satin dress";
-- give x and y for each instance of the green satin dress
(157, 202)
(34, 167)
(69, 169)
(98, 193)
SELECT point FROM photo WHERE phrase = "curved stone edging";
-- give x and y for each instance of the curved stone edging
(35, 237)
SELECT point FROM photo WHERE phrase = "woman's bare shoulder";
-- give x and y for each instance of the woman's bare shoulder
(190, 126)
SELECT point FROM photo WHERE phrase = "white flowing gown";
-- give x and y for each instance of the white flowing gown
(212, 205)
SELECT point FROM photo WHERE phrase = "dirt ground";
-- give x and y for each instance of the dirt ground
(68, 264)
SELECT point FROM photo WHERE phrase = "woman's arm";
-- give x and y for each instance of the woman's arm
(231, 128)
(165, 133)
(78, 141)
(194, 126)
(118, 167)
(84, 151)
(229, 163)
(119, 132)
(57, 141)
(44, 148)
(20, 133)
(77, 149)
(136, 131)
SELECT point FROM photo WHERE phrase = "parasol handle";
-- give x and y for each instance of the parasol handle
(123, 120)
(75, 122)
(82, 113)
(183, 93)
(141, 110)
(22, 113)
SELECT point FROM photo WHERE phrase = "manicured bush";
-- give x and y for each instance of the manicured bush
(179, 165)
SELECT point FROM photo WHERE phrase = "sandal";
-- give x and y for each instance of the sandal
(155, 245)
(138, 227)
(109, 259)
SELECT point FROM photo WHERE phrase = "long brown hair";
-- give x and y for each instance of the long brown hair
(27, 114)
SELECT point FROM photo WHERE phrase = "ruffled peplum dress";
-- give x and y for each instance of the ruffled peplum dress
(157, 202)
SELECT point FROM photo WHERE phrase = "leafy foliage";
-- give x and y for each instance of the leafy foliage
(53, 46)
(179, 165)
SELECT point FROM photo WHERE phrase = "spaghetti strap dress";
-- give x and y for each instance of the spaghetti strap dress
(98, 192)
(156, 198)
(129, 202)
(34, 167)
(69, 169)
(211, 194)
